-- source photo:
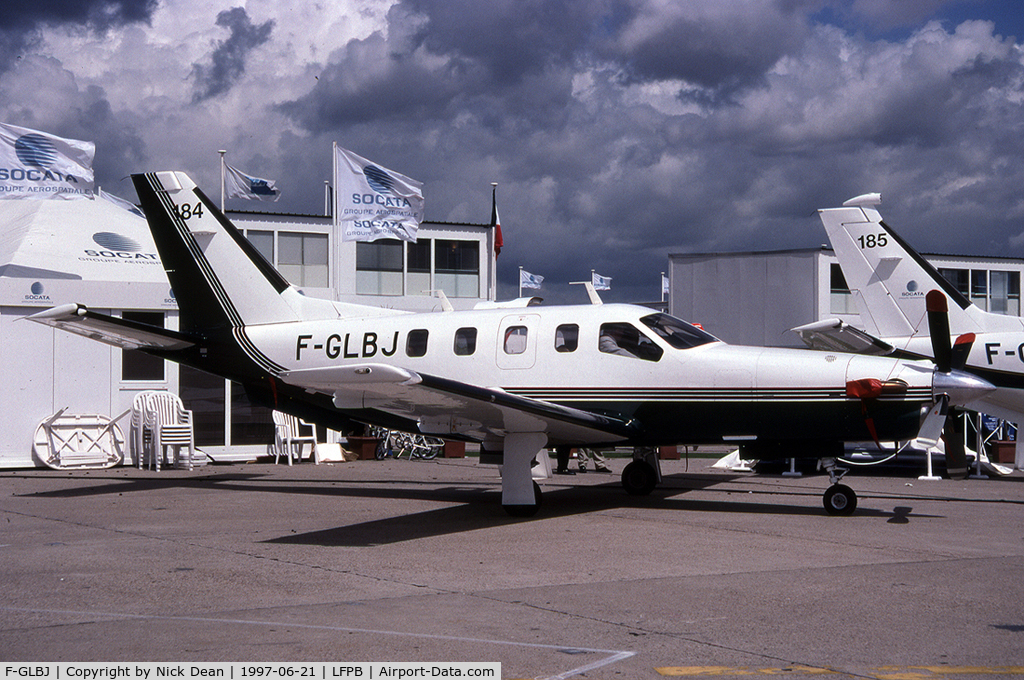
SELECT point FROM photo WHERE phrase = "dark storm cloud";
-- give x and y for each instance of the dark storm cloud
(228, 60)
(21, 20)
(634, 129)
(716, 46)
(512, 39)
(370, 82)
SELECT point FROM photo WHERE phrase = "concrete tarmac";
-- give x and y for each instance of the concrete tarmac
(716, 574)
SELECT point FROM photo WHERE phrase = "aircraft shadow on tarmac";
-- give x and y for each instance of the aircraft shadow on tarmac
(477, 504)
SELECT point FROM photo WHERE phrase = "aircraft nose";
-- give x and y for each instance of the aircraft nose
(962, 387)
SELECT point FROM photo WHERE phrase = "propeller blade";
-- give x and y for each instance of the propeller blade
(938, 329)
(934, 423)
(961, 350)
(956, 455)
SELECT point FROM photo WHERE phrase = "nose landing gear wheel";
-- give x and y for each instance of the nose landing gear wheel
(840, 500)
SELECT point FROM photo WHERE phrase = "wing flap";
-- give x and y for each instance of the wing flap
(448, 407)
(123, 333)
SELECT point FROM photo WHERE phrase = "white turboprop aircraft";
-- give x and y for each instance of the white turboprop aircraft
(895, 288)
(516, 380)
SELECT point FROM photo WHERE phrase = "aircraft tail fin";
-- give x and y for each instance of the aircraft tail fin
(889, 279)
(218, 277)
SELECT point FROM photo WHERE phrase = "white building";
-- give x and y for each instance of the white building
(754, 298)
(98, 254)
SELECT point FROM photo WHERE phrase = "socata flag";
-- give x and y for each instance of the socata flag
(373, 202)
(36, 164)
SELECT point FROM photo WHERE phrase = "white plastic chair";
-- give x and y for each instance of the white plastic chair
(288, 437)
(139, 438)
(170, 425)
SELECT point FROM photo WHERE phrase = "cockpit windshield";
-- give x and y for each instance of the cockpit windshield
(677, 332)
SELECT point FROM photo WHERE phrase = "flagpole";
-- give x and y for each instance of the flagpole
(493, 284)
(222, 197)
(520, 280)
(335, 231)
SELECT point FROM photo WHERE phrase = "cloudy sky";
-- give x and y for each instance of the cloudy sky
(619, 131)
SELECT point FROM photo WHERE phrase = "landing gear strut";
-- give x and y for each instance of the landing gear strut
(839, 499)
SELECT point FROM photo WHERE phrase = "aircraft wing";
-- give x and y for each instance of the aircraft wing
(834, 335)
(444, 407)
(123, 333)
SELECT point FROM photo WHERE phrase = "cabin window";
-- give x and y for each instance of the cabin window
(416, 343)
(465, 341)
(625, 340)
(515, 340)
(677, 332)
(137, 365)
(567, 337)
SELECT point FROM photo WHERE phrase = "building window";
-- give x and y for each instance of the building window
(465, 341)
(1004, 291)
(567, 337)
(418, 267)
(302, 259)
(263, 242)
(979, 288)
(841, 300)
(136, 365)
(416, 343)
(959, 279)
(992, 291)
(379, 267)
(457, 267)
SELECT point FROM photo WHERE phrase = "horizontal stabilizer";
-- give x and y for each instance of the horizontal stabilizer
(123, 333)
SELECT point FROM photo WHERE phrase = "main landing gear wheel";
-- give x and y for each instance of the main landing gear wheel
(639, 478)
(840, 500)
(525, 510)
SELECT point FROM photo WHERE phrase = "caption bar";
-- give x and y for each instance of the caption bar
(367, 670)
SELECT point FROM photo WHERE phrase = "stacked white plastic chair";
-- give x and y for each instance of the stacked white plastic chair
(138, 437)
(160, 421)
(288, 439)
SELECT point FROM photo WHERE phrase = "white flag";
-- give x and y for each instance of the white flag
(36, 164)
(664, 285)
(528, 280)
(601, 282)
(372, 202)
(121, 203)
(240, 185)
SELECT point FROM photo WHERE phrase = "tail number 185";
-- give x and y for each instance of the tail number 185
(872, 241)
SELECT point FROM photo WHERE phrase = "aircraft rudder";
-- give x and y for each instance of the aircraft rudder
(217, 275)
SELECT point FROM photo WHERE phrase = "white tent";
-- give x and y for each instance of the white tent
(55, 252)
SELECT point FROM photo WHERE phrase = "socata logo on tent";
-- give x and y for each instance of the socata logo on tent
(119, 247)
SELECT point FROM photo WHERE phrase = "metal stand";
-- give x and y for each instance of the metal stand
(930, 477)
(792, 470)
